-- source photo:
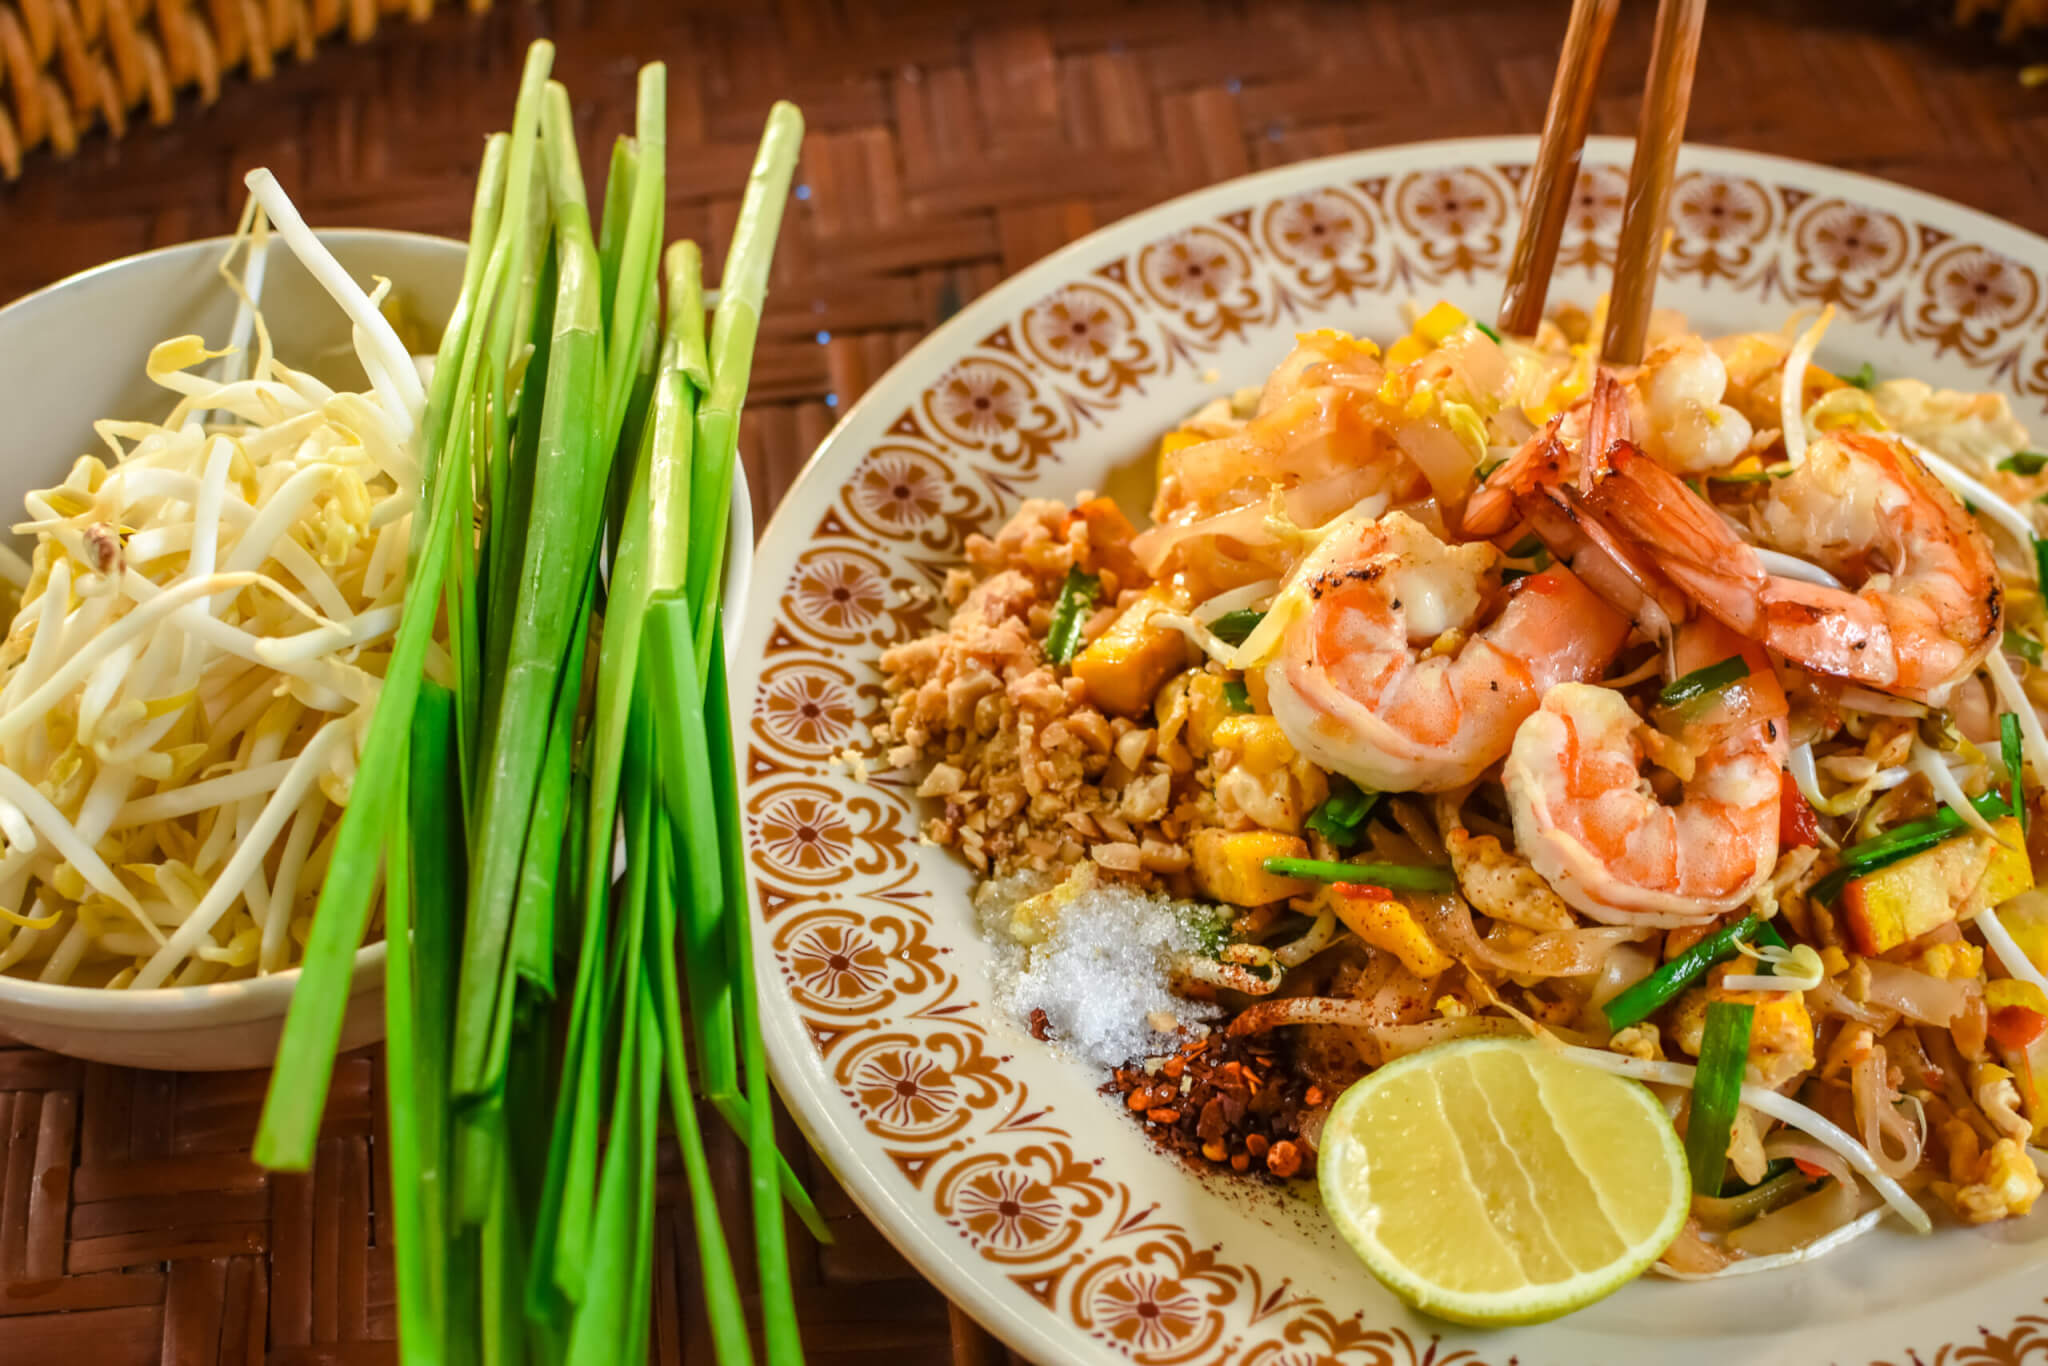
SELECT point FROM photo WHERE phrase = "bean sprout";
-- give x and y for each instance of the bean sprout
(201, 634)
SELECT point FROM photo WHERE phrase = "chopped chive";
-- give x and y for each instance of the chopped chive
(1340, 818)
(1069, 615)
(2024, 462)
(1489, 333)
(1236, 696)
(1233, 628)
(2015, 767)
(1703, 682)
(2025, 646)
(1407, 877)
(1865, 376)
(1646, 997)
(1717, 1093)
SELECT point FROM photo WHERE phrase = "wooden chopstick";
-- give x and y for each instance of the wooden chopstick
(1547, 198)
(1666, 99)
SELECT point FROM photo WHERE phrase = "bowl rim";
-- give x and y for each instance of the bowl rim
(154, 1003)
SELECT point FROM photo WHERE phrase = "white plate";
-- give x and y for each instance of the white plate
(989, 1159)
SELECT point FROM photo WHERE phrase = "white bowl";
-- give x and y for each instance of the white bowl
(73, 353)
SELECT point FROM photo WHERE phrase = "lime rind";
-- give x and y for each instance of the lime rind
(1343, 1156)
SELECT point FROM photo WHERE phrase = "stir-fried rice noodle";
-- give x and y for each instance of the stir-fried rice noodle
(1842, 776)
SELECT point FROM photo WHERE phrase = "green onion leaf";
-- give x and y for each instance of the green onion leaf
(1233, 628)
(2025, 646)
(1235, 695)
(1406, 877)
(1703, 682)
(1341, 817)
(1528, 548)
(1069, 614)
(1646, 997)
(1865, 376)
(1491, 335)
(2041, 562)
(1717, 1094)
(2015, 766)
(2024, 462)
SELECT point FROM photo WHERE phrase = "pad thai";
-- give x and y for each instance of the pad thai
(1681, 715)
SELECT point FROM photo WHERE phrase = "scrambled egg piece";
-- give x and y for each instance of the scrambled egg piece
(1780, 1038)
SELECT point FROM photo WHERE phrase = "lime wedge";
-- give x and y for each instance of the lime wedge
(1490, 1181)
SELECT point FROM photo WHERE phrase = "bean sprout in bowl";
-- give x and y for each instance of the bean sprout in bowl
(81, 352)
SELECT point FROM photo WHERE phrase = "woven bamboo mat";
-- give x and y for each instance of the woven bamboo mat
(946, 152)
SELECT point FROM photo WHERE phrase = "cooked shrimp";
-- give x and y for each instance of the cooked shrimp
(1924, 604)
(1680, 414)
(1540, 484)
(1397, 675)
(1595, 826)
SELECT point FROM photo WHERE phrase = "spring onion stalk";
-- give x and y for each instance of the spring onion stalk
(1781, 1108)
(570, 460)
(1233, 627)
(2011, 752)
(1646, 997)
(1704, 682)
(1341, 817)
(1069, 614)
(1717, 1093)
(1408, 877)
(742, 288)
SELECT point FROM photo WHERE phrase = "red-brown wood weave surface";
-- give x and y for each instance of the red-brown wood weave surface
(950, 145)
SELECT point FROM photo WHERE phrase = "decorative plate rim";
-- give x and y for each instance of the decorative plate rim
(824, 1114)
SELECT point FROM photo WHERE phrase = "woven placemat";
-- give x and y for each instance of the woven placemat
(947, 150)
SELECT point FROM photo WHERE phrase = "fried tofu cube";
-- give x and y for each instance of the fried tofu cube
(1230, 866)
(1953, 880)
(1374, 915)
(1124, 666)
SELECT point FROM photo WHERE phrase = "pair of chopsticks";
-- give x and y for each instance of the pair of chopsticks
(1553, 179)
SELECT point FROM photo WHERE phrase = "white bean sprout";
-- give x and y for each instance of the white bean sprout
(200, 638)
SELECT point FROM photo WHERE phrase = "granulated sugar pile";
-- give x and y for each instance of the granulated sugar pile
(1102, 975)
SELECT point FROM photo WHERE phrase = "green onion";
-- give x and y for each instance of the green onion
(1865, 376)
(2041, 562)
(1703, 682)
(1903, 841)
(2025, 646)
(1528, 548)
(2015, 767)
(1069, 615)
(1235, 695)
(1233, 628)
(1491, 335)
(1717, 1094)
(1408, 877)
(2024, 462)
(1340, 818)
(1646, 997)
(1485, 469)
